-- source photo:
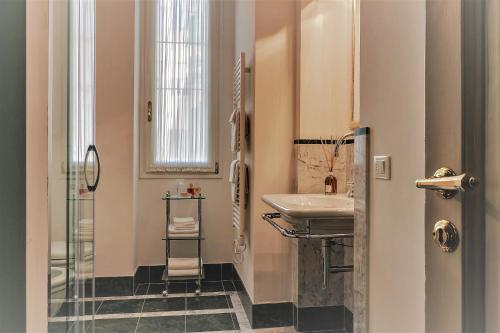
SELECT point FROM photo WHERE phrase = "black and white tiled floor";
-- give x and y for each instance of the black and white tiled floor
(218, 308)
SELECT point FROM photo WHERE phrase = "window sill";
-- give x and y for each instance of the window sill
(157, 175)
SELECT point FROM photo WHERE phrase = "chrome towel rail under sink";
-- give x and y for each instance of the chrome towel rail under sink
(327, 241)
(292, 233)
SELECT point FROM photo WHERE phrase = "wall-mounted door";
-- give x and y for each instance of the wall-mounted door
(73, 164)
(462, 224)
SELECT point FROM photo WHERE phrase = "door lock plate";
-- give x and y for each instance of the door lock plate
(445, 235)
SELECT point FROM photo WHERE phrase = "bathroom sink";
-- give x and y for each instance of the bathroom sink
(312, 206)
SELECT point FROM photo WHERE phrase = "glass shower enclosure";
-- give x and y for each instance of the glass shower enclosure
(73, 165)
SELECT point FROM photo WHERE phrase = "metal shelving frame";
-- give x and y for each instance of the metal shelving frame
(168, 198)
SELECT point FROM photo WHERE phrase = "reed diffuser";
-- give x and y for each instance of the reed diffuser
(330, 159)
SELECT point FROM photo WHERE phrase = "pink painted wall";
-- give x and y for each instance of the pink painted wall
(114, 223)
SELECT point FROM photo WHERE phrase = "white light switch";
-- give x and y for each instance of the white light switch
(382, 167)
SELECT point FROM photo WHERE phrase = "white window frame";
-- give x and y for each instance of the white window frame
(146, 54)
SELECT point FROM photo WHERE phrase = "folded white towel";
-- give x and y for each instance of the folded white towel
(184, 220)
(174, 230)
(186, 235)
(183, 272)
(182, 263)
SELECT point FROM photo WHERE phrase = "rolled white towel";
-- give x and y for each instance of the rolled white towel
(183, 272)
(182, 263)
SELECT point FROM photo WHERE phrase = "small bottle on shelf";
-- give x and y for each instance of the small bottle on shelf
(330, 184)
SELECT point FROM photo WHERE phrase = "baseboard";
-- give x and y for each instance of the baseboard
(266, 315)
(308, 319)
(322, 318)
(111, 286)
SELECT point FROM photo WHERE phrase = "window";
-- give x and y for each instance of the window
(179, 86)
(81, 79)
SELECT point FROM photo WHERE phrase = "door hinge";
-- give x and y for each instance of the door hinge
(217, 167)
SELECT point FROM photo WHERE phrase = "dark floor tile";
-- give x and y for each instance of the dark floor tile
(156, 288)
(171, 324)
(321, 318)
(211, 286)
(113, 286)
(141, 275)
(211, 322)
(142, 289)
(207, 302)
(238, 285)
(348, 321)
(69, 308)
(228, 286)
(227, 271)
(212, 272)
(122, 325)
(156, 274)
(235, 321)
(121, 306)
(272, 315)
(60, 327)
(165, 304)
(191, 286)
(173, 288)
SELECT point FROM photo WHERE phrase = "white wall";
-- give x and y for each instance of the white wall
(392, 104)
(37, 224)
(244, 35)
(114, 223)
(130, 214)
(326, 68)
(272, 142)
(266, 31)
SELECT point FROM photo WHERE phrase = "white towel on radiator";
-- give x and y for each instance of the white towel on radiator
(234, 120)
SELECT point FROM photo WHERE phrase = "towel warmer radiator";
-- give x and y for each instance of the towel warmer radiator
(238, 209)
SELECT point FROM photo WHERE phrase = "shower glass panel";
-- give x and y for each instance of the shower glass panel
(73, 165)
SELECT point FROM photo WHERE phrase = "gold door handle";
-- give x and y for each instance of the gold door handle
(447, 183)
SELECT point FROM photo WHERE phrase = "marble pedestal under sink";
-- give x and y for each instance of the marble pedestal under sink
(312, 221)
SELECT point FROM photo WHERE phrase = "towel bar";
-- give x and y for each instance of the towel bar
(327, 240)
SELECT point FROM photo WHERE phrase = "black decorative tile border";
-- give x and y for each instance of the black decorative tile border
(318, 141)
(348, 318)
(112, 286)
(213, 272)
(264, 315)
(322, 318)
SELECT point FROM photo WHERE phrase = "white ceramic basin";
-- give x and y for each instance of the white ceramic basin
(312, 206)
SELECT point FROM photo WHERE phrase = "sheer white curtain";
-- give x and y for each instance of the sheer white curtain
(82, 78)
(181, 131)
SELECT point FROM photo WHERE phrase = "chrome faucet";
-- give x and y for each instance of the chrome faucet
(338, 143)
(341, 141)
